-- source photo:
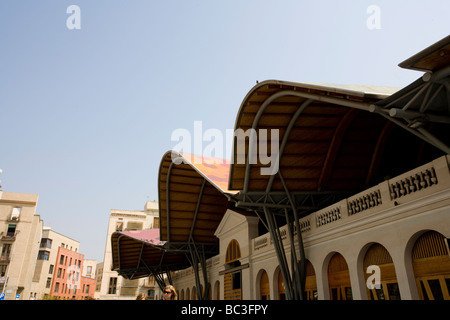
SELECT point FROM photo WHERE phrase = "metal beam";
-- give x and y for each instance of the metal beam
(419, 132)
(412, 115)
(169, 172)
(285, 139)
(194, 219)
(276, 237)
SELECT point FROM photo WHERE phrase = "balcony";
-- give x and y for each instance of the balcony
(5, 258)
(13, 218)
(15, 215)
(9, 236)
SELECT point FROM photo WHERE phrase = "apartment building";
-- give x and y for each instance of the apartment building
(20, 235)
(46, 259)
(68, 282)
(61, 271)
(113, 286)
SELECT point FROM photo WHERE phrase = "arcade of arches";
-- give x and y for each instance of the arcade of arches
(429, 258)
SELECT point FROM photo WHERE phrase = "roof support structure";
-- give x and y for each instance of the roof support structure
(195, 252)
(410, 110)
(157, 271)
(271, 202)
(167, 199)
(196, 256)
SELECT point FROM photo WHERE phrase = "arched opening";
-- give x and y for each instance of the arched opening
(379, 266)
(233, 252)
(281, 288)
(188, 294)
(264, 286)
(431, 264)
(209, 292)
(232, 279)
(310, 283)
(182, 294)
(217, 290)
(339, 278)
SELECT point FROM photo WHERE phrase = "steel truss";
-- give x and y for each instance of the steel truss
(275, 207)
(142, 269)
(412, 107)
(269, 204)
(195, 252)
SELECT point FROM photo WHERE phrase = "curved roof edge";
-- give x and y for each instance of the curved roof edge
(215, 170)
(373, 92)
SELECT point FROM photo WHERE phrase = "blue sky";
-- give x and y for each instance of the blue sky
(86, 115)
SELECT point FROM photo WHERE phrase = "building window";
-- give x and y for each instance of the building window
(50, 269)
(61, 260)
(233, 252)
(112, 285)
(49, 282)
(87, 289)
(3, 269)
(6, 250)
(15, 214)
(134, 225)
(119, 226)
(233, 280)
(156, 223)
(11, 230)
(56, 287)
(46, 243)
(43, 255)
(58, 275)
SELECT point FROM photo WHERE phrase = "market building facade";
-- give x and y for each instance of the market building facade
(356, 205)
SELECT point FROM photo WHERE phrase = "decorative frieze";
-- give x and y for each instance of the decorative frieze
(413, 183)
(364, 202)
(328, 217)
(305, 225)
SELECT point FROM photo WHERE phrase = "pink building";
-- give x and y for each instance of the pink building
(68, 282)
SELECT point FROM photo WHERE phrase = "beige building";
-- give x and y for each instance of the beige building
(89, 268)
(29, 250)
(46, 259)
(109, 284)
(20, 235)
